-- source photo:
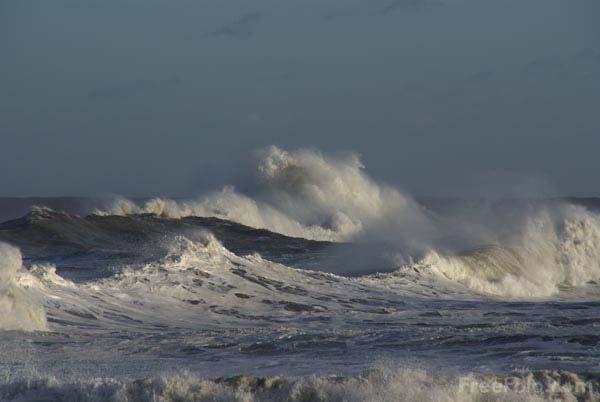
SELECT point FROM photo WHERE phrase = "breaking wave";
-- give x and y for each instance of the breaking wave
(550, 251)
(525, 252)
(199, 284)
(301, 194)
(304, 194)
(18, 308)
(378, 385)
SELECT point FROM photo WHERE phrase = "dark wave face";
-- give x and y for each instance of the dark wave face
(71, 242)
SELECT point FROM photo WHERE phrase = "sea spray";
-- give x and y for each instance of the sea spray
(306, 194)
(18, 309)
(551, 249)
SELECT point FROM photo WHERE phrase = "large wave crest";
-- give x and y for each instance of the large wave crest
(551, 250)
(300, 194)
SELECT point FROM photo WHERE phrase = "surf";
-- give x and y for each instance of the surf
(19, 309)
(377, 385)
(300, 193)
(551, 250)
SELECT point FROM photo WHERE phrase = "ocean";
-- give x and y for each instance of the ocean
(321, 284)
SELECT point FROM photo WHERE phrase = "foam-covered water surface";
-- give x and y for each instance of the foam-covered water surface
(377, 298)
(189, 302)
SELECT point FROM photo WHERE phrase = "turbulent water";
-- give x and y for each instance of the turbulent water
(320, 285)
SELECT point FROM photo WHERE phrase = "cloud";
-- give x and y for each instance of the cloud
(241, 28)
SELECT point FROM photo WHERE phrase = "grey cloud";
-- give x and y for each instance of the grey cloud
(241, 28)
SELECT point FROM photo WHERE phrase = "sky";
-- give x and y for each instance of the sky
(438, 97)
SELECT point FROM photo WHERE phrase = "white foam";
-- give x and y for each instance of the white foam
(301, 194)
(306, 194)
(381, 385)
(551, 250)
(19, 309)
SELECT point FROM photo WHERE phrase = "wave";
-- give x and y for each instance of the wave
(531, 251)
(551, 250)
(377, 385)
(18, 308)
(301, 194)
(201, 284)
(534, 251)
(551, 253)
